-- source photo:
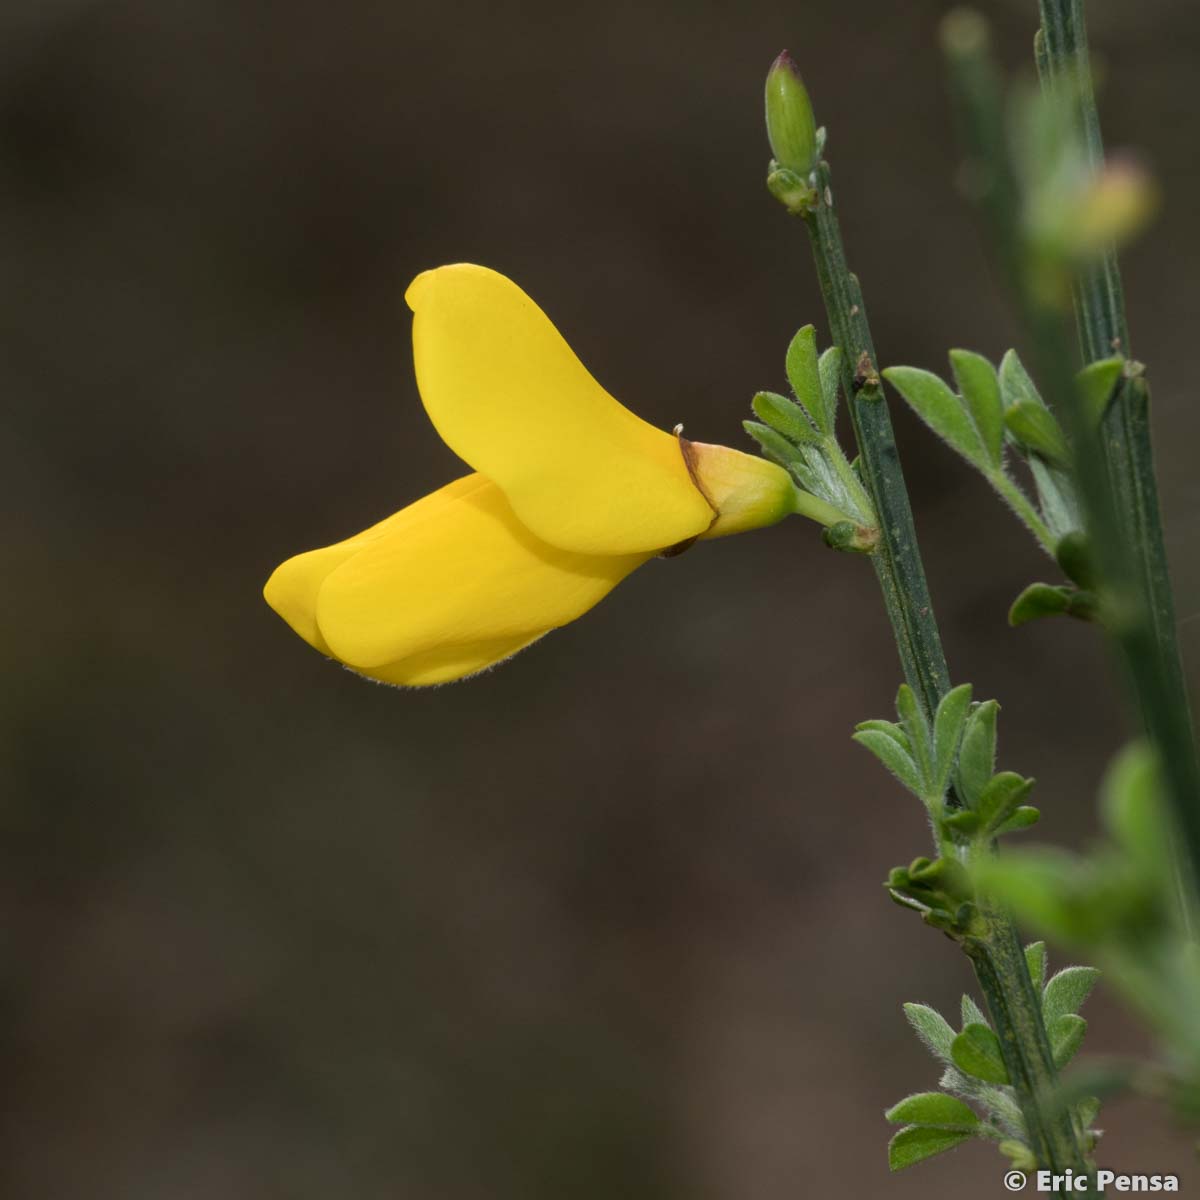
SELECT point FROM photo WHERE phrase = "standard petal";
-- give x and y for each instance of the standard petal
(451, 585)
(507, 394)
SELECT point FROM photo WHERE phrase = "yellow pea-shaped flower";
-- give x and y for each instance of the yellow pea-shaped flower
(571, 492)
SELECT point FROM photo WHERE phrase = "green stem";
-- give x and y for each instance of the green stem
(898, 559)
(1121, 494)
(995, 952)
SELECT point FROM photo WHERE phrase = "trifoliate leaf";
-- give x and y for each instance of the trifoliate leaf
(980, 388)
(932, 1028)
(914, 1144)
(1066, 1036)
(933, 1108)
(1000, 798)
(932, 399)
(1066, 991)
(976, 1051)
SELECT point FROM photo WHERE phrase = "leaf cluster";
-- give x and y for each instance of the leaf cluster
(975, 1097)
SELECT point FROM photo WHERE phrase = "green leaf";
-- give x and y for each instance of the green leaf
(829, 367)
(972, 1014)
(1132, 806)
(774, 445)
(948, 725)
(914, 1144)
(1066, 1036)
(1034, 428)
(976, 1052)
(1066, 992)
(980, 388)
(932, 1028)
(933, 1108)
(890, 728)
(784, 417)
(931, 398)
(963, 821)
(917, 728)
(893, 756)
(1015, 385)
(977, 756)
(1039, 600)
(804, 376)
(1025, 816)
(999, 800)
(1035, 960)
(1074, 556)
(1096, 383)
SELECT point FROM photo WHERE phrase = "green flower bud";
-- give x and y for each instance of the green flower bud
(791, 129)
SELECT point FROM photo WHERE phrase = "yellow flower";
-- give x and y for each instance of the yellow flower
(571, 492)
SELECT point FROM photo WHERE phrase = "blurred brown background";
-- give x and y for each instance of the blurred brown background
(607, 921)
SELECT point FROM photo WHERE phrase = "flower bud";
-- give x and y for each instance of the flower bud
(791, 129)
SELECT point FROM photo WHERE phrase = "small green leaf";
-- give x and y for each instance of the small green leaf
(976, 1051)
(963, 821)
(829, 367)
(1035, 960)
(1034, 428)
(917, 728)
(774, 445)
(932, 1028)
(1066, 1036)
(972, 1014)
(1015, 385)
(1067, 990)
(893, 756)
(804, 377)
(933, 1108)
(1025, 815)
(784, 417)
(932, 399)
(999, 800)
(1073, 555)
(914, 1144)
(1132, 806)
(1096, 383)
(890, 728)
(1039, 600)
(948, 725)
(980, 388)
(977, 756)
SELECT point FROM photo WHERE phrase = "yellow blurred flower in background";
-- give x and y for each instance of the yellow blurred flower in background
(570, 493)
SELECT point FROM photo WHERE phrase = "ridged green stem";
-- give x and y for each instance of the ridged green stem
(995, 951)
(1120, 490)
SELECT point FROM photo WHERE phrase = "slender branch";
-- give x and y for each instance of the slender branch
(995, 951)
(1114, 466)
(1129, 525)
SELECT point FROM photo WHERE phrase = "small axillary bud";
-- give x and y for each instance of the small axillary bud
(792, 132)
